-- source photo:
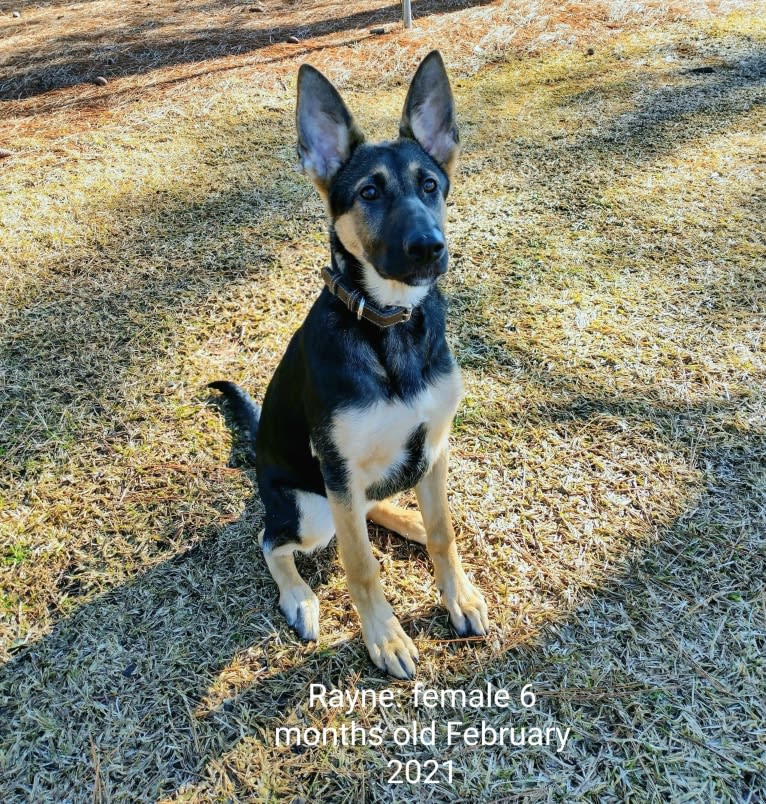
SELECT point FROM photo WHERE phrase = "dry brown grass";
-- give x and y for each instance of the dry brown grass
(55, 50)
(609, 461)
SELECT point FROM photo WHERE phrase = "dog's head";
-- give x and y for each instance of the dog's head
(386, 201)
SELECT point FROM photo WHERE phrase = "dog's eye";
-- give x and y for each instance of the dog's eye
(369, 192)
(429, 185)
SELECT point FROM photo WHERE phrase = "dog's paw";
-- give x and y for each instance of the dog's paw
(389, 647)
(467, 608)
(301, 609)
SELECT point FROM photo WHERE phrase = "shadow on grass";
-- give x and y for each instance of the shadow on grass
(666, 110)
(79, 337)
(160, 679)
(146, 45)
(729, 90)
(128, 691)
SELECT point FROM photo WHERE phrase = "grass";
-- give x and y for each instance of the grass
(608, 463)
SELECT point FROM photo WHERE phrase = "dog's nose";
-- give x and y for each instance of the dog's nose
(424, 249)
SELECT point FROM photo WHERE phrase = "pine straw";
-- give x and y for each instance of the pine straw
(608, 480)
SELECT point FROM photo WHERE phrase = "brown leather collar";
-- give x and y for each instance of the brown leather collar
(355, 300)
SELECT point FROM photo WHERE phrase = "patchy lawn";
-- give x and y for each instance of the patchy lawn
(609, 461)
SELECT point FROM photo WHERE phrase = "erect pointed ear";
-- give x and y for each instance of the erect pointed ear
(327, 133)
(429, 113)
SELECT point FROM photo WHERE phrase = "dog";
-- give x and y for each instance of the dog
(361, 404)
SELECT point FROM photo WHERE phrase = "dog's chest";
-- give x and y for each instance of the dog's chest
(389, 445)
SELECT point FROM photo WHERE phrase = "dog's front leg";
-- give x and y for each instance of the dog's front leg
(463, 601)
(389, 647)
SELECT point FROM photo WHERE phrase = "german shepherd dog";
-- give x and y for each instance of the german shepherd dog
(360, 407)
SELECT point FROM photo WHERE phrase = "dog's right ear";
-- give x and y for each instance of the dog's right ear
(327, 133)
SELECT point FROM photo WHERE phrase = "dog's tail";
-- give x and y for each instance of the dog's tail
(246, 413)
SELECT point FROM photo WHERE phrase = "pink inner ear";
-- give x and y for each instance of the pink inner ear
(328, 149)
(432, 131)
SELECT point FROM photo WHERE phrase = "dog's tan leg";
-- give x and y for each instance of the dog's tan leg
(389, 647)
(465, 604)
(296, 600)
(408, 524)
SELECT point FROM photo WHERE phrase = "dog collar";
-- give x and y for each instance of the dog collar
(355, 300)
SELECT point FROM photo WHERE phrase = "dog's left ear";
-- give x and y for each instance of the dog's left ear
(429, 113)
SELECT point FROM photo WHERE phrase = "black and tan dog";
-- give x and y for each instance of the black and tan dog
(361, 404)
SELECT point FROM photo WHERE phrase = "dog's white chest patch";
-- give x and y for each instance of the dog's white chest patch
(376, 440)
